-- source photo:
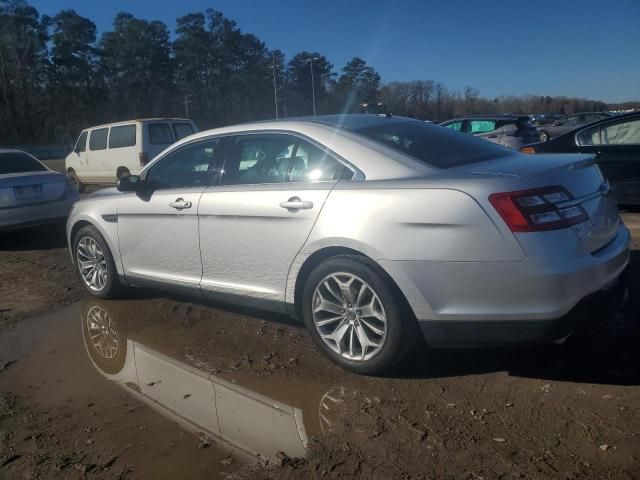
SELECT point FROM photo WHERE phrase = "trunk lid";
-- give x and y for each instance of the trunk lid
(29, 188)
(582, 178)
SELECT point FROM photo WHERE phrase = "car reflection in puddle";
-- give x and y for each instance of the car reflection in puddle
(249, 424)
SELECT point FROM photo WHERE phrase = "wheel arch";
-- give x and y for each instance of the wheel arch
(109, 237)
(324, 253)
(120, 170)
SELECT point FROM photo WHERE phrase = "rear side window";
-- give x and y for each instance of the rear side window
(432, 145)
(160, 134)
(81, 144)
(482, 126)
(457, 126)
(18, 162)
(122, 136)
(313, 164)
(182, 130)
(98, 139)
(626, 132)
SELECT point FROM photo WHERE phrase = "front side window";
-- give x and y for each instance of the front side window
(187, 167)
(482, 126)
(259, 159)
(614, 133)
(18, 162)
(570, 121)
(182, 130)
(98, 139)
(122, 136)
(160, 134)
(81, 144)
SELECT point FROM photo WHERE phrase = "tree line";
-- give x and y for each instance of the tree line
(57, 77)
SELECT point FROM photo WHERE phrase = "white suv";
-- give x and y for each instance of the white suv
(105, 153)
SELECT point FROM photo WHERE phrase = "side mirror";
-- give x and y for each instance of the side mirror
(130, 183)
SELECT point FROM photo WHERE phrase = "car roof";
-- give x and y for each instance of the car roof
(137, 120)
(489, 117)
(348, 121)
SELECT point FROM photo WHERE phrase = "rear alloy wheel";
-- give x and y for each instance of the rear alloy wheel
(355, 317)
(544, 136)
(95, 263)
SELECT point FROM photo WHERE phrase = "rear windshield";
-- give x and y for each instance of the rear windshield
(160, 134)
(434, 145)
(182, 130)
(16, 162)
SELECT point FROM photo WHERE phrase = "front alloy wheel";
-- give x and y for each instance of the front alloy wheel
(92, 264)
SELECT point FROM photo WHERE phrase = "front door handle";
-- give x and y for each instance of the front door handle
(180, 204)
(294, 203)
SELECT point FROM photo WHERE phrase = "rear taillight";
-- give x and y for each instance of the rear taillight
(530, 150)
(538, 209)
(144, 158)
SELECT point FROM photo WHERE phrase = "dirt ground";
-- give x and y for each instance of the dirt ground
(75, 407)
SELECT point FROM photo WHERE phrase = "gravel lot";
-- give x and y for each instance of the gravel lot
(557, 412)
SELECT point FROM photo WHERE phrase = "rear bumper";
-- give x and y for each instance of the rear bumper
(24, 216)
(462, 334)
(508, 302)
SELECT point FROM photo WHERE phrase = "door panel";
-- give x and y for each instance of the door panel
(158, 242)
(248, 241)
(158, 227)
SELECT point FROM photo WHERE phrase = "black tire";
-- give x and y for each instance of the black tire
(74, 178)
(543, 135)
(112, 287)
(401, 329)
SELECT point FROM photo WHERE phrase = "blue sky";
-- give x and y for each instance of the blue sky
(584, 48)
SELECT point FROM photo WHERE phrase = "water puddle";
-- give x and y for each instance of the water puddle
(159, 404)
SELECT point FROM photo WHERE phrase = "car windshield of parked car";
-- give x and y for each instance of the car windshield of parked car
(16, 162)
(618, 133)
(431, 144)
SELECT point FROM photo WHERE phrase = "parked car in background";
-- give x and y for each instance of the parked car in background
(615, 141)
(105, 153)
(567, 123)
(30, 193)
(511, 131)
(372, 229)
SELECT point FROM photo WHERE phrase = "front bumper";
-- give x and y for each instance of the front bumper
(28, 215)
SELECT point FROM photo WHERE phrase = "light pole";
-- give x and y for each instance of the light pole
(275, 88)
(313, 85)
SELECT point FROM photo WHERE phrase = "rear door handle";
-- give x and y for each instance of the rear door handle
(180, 204)
(294, 203)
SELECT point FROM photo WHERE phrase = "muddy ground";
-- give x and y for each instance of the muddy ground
(173, 388)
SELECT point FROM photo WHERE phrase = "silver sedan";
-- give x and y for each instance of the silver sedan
(30, 193)
(372, 229)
